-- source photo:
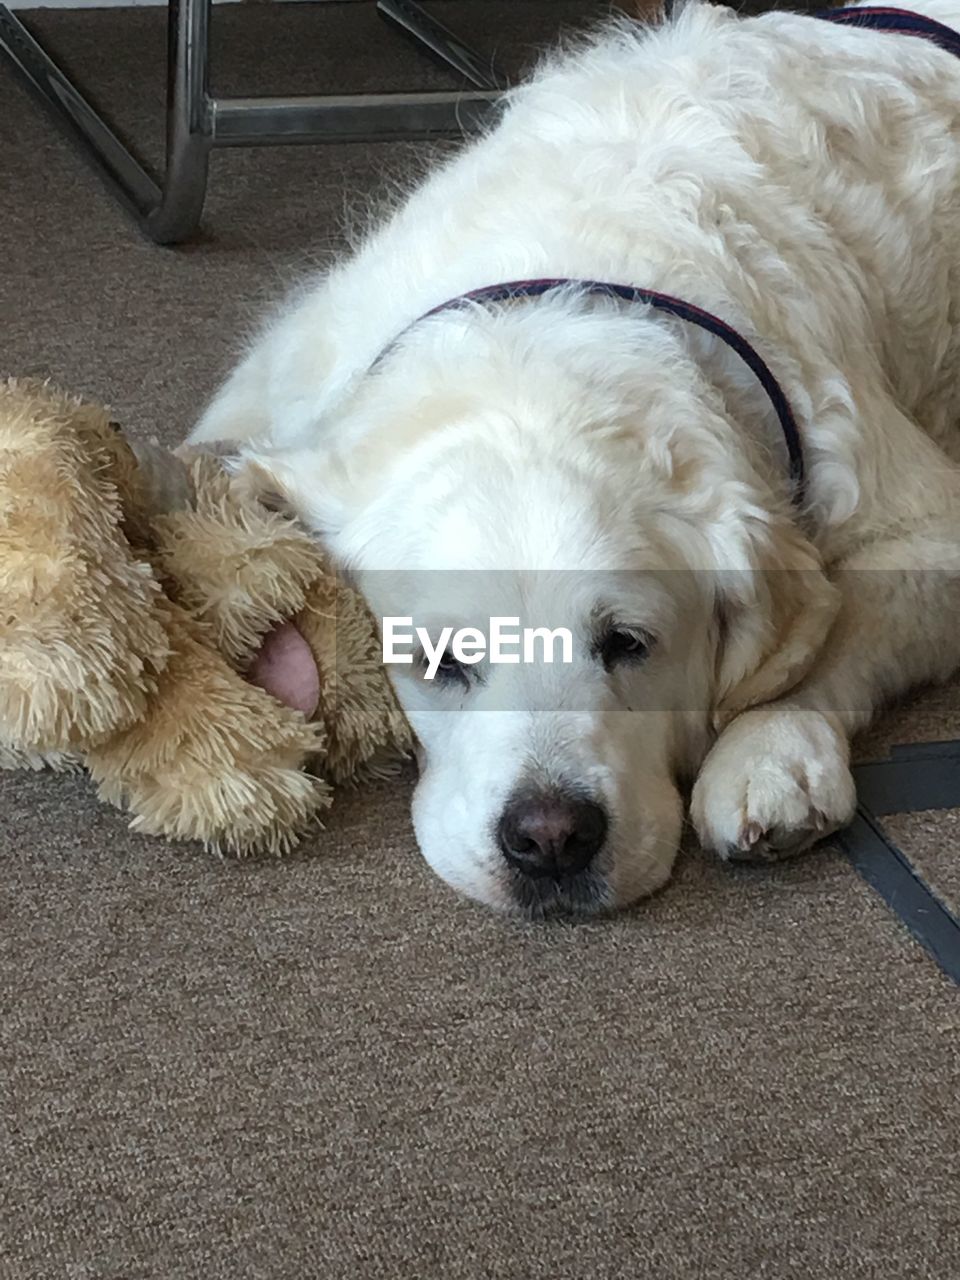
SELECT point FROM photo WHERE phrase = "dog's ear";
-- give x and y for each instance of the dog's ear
(307, 484)
(774, 617)
(240, 408)
(252, 481)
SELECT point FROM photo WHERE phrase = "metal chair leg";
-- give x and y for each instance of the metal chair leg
(414, 21)
(169, 212)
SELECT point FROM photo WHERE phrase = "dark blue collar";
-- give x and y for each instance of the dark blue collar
(904, 21)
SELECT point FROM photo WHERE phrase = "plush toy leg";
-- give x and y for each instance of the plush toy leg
(214, 759)
(236, 565)
(81, 644)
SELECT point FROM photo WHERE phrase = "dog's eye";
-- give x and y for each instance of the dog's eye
(449, 671)
(622, 644)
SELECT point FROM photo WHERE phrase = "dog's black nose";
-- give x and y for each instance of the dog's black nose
(551, 834)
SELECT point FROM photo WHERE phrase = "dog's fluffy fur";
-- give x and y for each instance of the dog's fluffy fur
(597, 464)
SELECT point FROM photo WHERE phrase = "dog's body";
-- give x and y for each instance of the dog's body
(620, 471)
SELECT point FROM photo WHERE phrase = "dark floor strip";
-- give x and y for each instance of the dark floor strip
(923, 776)
(889, 872)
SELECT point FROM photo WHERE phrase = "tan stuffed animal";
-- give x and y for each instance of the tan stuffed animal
(135, 588)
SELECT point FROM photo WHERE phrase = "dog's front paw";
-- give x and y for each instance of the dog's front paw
(776, 781)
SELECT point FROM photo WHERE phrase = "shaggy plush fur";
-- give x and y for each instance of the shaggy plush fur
(587, 462)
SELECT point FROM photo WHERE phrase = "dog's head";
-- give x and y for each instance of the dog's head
(567, 471)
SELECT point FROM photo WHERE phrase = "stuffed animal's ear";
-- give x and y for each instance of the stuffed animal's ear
(774, 619)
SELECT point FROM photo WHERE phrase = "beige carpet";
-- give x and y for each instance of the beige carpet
(932, 843)
(330, 1067)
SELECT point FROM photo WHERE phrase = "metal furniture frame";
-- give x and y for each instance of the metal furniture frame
(169, 210)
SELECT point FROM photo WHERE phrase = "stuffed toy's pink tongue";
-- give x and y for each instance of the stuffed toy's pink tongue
(285, 668)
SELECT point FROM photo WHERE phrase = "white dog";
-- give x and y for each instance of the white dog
(575, 458)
